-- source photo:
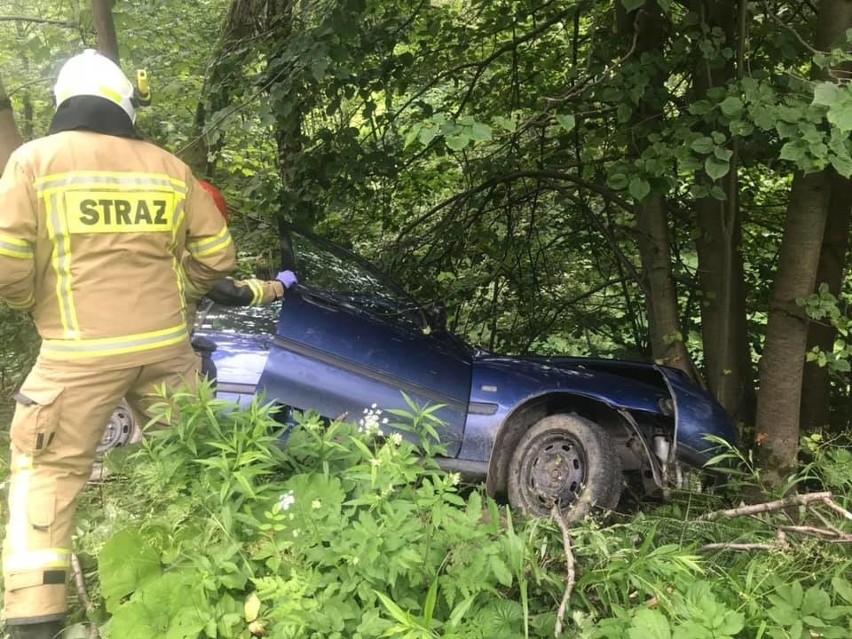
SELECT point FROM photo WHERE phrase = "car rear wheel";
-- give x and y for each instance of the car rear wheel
(565, 460)
(120, 430)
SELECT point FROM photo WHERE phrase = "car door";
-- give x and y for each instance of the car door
(349, 338)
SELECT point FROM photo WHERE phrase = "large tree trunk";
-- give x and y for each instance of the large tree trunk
(782, 365)
(816, 385)
(241, 22)
(667, 343)
(288, 131)
(10, 139)
(727, 356)
(105, 28)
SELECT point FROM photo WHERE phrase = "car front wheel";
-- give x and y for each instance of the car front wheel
(565, 460)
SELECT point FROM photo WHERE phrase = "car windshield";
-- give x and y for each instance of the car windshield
(346, 279)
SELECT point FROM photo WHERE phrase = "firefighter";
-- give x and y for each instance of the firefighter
(100, 233)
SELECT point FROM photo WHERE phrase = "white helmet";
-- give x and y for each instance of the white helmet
(91, 73)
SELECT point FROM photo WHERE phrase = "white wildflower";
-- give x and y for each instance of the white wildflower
(375, 461)
(286, 500)
(316, 504)
(396, 439)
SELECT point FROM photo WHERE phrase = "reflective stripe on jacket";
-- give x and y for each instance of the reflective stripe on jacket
(100, 236)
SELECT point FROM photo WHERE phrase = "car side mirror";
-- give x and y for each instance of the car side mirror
(436, 315)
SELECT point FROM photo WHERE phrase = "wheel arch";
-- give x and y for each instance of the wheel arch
(604, 415)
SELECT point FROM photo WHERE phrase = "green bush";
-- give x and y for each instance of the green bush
(214, 529)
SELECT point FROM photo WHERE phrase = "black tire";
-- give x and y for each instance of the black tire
(564, 459)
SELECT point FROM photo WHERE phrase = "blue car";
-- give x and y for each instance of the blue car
(539, 430)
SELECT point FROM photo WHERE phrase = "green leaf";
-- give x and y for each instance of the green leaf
(427, 134)
(731, 106)
(639, 188)
(412, 135)
(505, 123)
(457, 142)
(703, 145)
(722, 153)
(125, 563)
(842, 587)
(826, 94)
(618, 181)
(480, 132)
(395, 611)
(567, 122)
(501, 570)
(632, 5)
(460, 611)
(429, 604)
(792, 151)
(716, 168)
(251, 608)
(841, 116)
(649, 624)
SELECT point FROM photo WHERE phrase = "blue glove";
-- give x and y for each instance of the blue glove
(287, 278)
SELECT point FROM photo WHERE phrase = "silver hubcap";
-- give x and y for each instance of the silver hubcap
(119, 430)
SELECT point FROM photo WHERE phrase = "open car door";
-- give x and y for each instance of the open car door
(349, 338)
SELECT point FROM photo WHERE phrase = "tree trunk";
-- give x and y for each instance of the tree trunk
(227, 60)
(782, 365)
(787, 329)
(667, 344)
(816, 385)
(105, 28)
(10, 138)
(727, 354)
(288, 132)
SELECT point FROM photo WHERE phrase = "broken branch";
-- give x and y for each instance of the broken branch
(570, 568)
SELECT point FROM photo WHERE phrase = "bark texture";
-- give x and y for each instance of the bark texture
(10, 138)
(782, 365)
(105, 29)
(728, 369)
(648, 27)
(243, 20)
(816, 385)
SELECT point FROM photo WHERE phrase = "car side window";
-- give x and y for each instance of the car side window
(344, 279)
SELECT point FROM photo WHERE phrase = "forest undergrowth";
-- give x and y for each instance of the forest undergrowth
(214, 529)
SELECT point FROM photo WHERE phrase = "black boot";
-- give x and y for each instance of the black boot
(42, 630)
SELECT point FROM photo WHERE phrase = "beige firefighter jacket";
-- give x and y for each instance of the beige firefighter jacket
(93, 233)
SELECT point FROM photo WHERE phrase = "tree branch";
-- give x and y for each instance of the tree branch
(61, 23)
(570, 568)
(779, 504)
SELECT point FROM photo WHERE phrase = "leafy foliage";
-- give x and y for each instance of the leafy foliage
(214, 529)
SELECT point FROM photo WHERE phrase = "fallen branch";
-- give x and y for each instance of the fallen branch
(829, 501)
(769, 506)
(737, 547)
(570, 568)
(821, 533)
(82, 595)
(779, 544)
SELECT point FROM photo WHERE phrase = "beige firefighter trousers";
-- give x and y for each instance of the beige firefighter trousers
(59, 420)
